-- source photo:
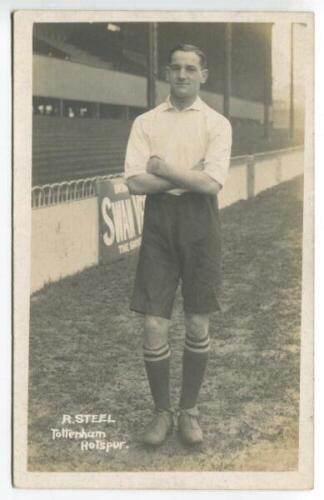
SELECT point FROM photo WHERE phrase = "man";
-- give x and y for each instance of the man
(178, 155)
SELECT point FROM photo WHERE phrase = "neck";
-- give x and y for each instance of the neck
(182, 103)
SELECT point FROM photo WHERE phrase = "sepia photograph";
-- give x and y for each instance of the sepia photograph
(163, 261)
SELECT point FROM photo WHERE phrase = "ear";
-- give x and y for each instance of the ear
(204, 75)
(167, 79)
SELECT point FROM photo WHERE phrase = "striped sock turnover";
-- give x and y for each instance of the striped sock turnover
(197, 345)
(154, 355)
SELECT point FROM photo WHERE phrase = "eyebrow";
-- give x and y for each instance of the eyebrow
(188, 66)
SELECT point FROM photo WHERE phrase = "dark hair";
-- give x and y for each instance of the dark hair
(186, 47)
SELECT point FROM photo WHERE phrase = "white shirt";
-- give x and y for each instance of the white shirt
(181, 137)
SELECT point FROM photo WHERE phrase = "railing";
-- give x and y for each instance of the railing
(78, 189)
(67, 191)
(274, 152)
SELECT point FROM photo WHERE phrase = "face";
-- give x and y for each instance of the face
(185, 75)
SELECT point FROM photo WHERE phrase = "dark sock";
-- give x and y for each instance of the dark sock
(157, 363)
(195, 357)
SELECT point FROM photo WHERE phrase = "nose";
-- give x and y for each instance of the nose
(182, 73)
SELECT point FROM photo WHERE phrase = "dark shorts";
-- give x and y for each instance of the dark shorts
(181, 241)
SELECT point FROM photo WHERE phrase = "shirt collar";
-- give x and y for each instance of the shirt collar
(197, 105)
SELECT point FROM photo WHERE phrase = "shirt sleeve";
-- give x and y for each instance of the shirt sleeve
(137, 152)
(217, 158)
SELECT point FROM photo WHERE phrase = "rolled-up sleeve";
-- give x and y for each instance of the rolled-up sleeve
(137, 152)
(218, 155)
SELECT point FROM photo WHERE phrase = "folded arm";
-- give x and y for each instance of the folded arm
(191, 180)
(148, 184)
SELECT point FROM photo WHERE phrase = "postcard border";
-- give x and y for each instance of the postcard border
(303, 479)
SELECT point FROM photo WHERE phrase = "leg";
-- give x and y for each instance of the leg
(200, 273)
(195, 358)
(156, 330)
(199, 245)
(156, 356)
(157, 274)
(156, 282)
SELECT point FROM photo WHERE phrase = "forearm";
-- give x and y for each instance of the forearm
(148, 184)
(191, 180)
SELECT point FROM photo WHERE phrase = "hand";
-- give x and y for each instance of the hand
(153, 165)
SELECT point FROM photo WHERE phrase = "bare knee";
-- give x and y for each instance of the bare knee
(155, 331)
(197, 325)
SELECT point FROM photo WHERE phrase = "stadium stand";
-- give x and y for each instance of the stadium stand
(76, 136)
(65, 149)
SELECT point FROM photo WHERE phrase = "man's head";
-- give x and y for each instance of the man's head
(186, 71)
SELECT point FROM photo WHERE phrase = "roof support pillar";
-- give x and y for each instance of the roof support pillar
(291, 107)
(152, 64)
(227, 70)
(267, 82)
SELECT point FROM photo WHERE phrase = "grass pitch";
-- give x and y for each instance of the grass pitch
(86, 356)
